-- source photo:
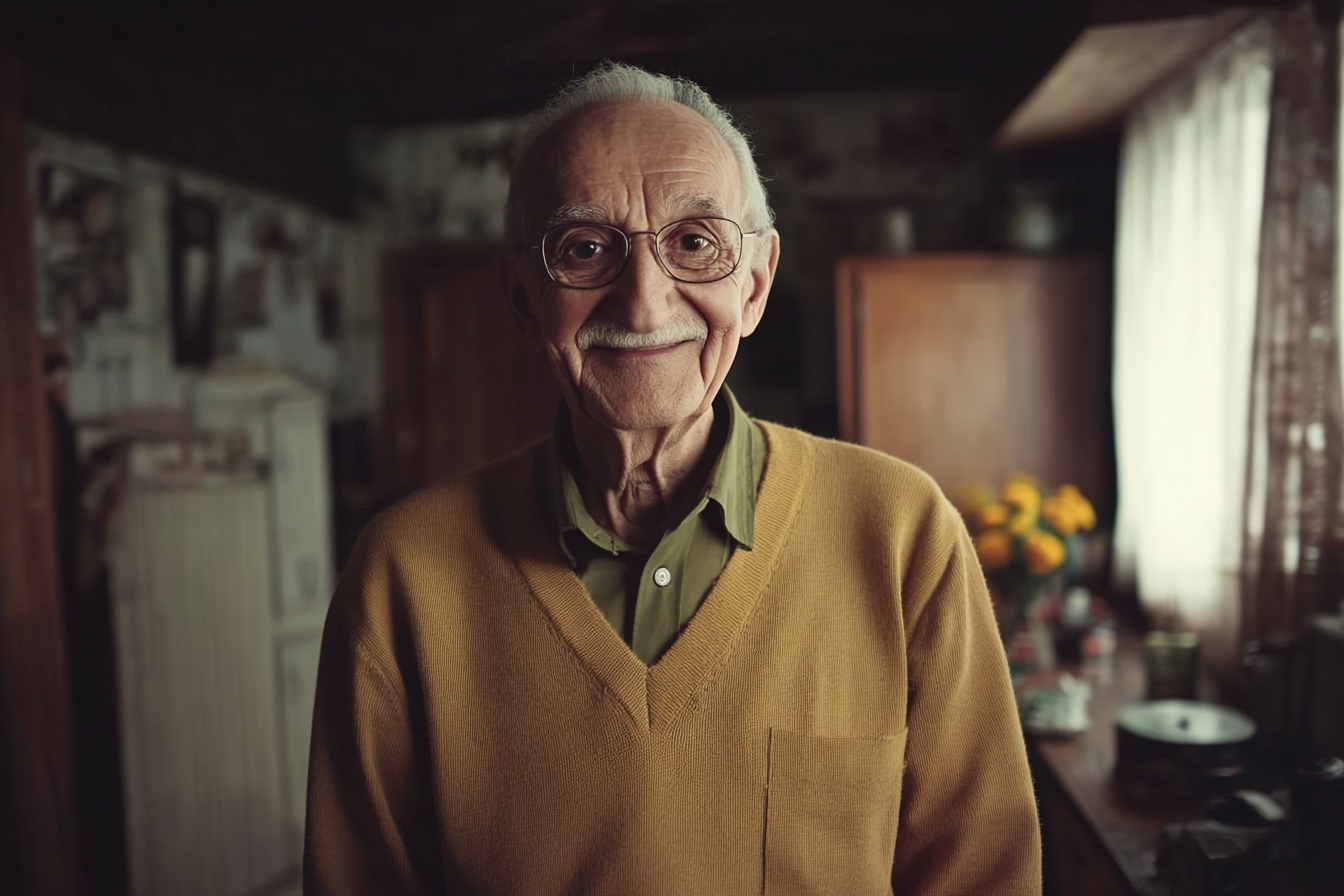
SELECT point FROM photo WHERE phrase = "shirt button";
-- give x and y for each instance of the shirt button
(661, 576)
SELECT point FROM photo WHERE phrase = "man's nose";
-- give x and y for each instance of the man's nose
(641, 296)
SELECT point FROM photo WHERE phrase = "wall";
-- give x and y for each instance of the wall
(263, 280)
(436, 183)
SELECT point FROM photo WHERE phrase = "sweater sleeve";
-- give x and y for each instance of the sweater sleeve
(968, 820)
(370, 823)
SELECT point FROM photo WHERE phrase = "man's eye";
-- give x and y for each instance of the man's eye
(693, 242)
(586, 249)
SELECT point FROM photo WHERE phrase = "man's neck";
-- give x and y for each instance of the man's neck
(641, 484)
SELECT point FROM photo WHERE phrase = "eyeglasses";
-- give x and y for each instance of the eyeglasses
(696, 250)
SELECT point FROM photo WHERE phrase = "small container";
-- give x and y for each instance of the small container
(1076, 609)
(1171, 660)
(1098, 640)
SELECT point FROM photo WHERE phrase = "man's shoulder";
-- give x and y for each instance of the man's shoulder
(847, 466)
(852, 496)
(418, 549)
(457, 507)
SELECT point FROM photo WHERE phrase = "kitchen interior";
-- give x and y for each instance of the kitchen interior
(1077, 260)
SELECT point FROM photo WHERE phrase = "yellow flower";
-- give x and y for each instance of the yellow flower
(1022, 522)
(1044, 553)
(1022, 495)
(1085, 517)
(992, 515)
(994, 548)
(1061, 515)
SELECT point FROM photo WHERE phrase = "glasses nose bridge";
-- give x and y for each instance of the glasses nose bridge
(657, 253)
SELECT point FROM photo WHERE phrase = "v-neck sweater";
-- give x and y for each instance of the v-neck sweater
(836, 718)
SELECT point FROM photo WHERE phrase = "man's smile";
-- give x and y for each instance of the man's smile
(643, 352)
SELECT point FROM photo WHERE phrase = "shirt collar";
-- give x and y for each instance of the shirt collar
(732, 483)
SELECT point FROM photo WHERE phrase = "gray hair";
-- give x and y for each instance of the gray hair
(618, 81)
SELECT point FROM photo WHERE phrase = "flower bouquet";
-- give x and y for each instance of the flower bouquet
(1026, 536)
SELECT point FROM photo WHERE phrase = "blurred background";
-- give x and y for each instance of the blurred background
(248, 298)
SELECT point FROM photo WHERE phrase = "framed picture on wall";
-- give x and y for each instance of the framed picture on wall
(193, 277)
(81, 247)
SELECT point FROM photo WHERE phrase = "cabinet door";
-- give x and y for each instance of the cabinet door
(974, 366)
(461, 388)
(206, 805)
(1080, 865)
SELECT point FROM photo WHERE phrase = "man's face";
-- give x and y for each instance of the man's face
(638, 166)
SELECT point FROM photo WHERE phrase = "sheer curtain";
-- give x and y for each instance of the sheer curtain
(1187, 266)
(1292, 518)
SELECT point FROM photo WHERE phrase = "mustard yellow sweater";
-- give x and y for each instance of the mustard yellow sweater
(836, 718)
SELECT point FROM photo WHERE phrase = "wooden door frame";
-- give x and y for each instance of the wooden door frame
(402, 276)
(38, 840)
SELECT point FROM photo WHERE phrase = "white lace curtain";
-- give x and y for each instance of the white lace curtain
(1187, 248)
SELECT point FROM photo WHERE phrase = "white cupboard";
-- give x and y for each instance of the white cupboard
(220, 588)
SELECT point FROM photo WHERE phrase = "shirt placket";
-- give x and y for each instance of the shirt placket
(658, 608)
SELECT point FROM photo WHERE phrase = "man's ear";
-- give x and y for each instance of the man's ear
(762, 275)
(520, 304)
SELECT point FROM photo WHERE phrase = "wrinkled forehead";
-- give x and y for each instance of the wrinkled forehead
(612, 161)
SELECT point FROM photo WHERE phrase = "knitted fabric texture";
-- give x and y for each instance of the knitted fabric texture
(836, 718)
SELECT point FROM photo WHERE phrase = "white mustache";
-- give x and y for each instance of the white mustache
(603, 334)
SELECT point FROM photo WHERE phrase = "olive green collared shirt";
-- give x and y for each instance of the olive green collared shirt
(649, 597)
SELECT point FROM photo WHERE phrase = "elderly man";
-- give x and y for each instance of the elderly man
(672, 649)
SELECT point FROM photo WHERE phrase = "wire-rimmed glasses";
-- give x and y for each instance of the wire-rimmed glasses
(586, 255)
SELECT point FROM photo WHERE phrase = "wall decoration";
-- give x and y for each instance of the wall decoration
(280, 276)
(444, 182)
(328, 302)
(244, 304)
(158, 271)
(194, 268)
(81, 247)
(254, 246)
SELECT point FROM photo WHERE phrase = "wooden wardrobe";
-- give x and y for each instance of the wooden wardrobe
(973, 366)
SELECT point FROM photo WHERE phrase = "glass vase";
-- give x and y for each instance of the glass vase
(1026, 634)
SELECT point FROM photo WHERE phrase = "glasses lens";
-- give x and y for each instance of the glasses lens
(584, 254)
(700, 249)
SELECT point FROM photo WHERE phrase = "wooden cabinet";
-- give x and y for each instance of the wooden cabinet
(460, 388)
(974, 366)
(1078, 862)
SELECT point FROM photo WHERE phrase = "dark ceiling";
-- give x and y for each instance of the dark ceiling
(411, 62)
(268, 91)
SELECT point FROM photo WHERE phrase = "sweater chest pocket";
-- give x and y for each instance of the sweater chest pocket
(832, 807)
